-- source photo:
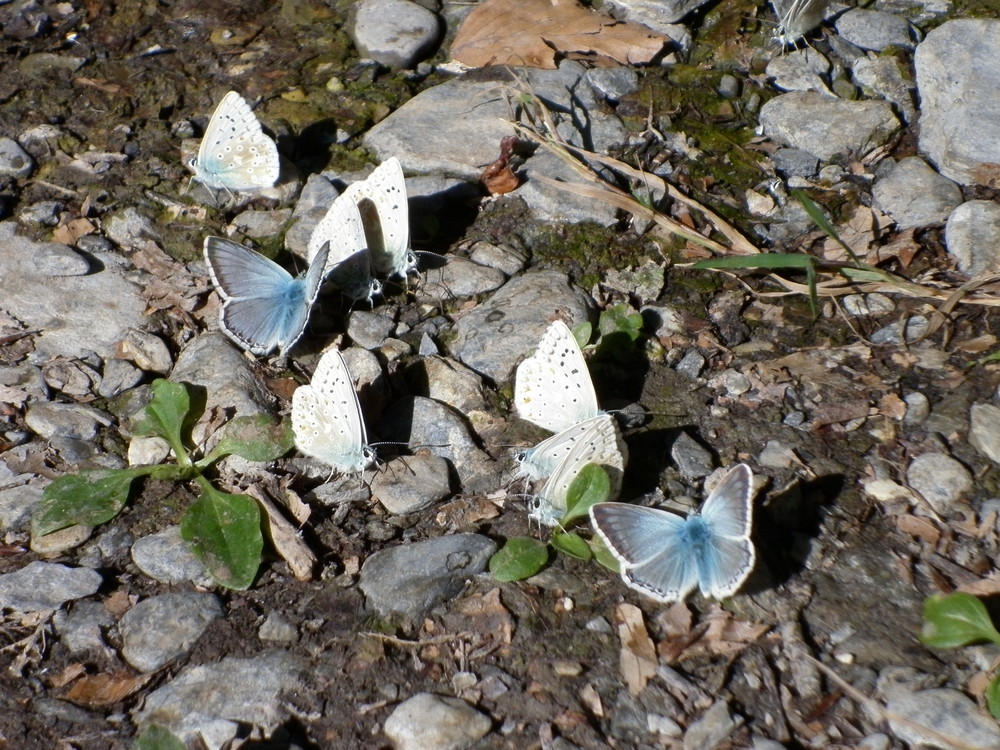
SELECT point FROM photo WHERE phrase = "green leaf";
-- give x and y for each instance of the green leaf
(763, 260)
(819, 218)
(603, 555)
(88, 498)
(166, 414)
(956, 619)
(993, 696)
(224, 533)
(620, 319)
(155, 737)
(519, 558)
(582, 333)
(571, 544)
(592, 485)
(257, 438)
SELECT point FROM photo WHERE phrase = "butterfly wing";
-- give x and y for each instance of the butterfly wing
(263, 307)
(552, 387)
(349, 264)
(540, 461)
(381, 199)
(651, 547)
(326, 417)
(728, 555)
(235, 153)
(801, 17)
(601, 443)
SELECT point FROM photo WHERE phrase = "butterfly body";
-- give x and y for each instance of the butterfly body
(263, 306)
(599, 443)
(540, 461)
(235, 153)
(552, 387)
(327, 420)
(666, 556)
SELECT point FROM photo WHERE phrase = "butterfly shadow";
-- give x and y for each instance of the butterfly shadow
(786, 526)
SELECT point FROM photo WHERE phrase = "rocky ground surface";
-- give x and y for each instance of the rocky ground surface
(872, 425)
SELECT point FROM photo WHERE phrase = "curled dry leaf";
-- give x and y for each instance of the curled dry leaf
(638, 657)
(498, 178)
(537, 33)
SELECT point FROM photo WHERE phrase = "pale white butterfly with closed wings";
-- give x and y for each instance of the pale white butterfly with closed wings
(349, 263)
(540, 461)
(552, 387)
(327, 420)
(235, 154)
(799, 18)
(600, 443)
(666, 556)
(381, 199)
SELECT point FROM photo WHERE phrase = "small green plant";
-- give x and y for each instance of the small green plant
(223, 530)
(155, 737)
(960, 619)
(523, 556)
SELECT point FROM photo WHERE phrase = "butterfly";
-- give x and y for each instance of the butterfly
(552, 387)
(666, 556)
(235, 154)
(381, 199)
(540, 461)
(263, 306)
(801, 17)
(600, 443)
(349, 264)
(326, 418)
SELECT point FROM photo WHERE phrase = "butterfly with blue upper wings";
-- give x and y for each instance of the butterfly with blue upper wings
(666, 556)
(263, 306)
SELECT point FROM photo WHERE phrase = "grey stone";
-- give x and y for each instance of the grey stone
(81, 629)
(18, 499)
(411, 483)
(867, 305)
(46, 65)
(209, 702)
(914, 195)
(502, 258)
(146, 350)
(166, 557)
(984, 429)
(62, 307)
(959, 125)
(693, 460)
(262, 224)
(896, 333)
(875, 30)
(410, 579)
(884, 77)
(918, 408)
(800, 70)
(41, 586)
(51, 419)
(450, 382)
(313, 203)
(277, 628)
(504, 329)
(130, 229)
(424, 423)
(427, 721)
(368, 329)
(824, 126)
(550, 203)
(691, 364)
(161, 628)
(945, 711)
(942, 481)
(397, 33)
(45, 213)
(712, 729)
(972, 235)
(118, 376)
(614, 84)
(656, 14)
(458, 277)
(15, 162)
(729, 86)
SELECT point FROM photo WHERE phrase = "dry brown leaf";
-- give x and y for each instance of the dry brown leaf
(921, 528)
(637, 655)
(498, 178)
(105, 689)
(535, 33)
(286, 539)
